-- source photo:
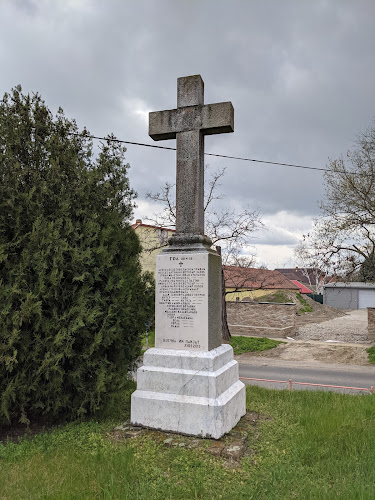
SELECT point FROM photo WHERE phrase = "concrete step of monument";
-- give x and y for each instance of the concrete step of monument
(195, 383)
(198, 416)
(210, 361)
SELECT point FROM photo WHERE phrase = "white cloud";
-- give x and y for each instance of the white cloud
(137, 108)
(292, 222)
(274, 256)
(275, 245)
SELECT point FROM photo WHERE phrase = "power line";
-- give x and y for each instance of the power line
(217, 155)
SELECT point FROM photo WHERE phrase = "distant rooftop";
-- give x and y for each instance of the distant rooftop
(306, 275)
(352, 284)
(253, 278)
(139, 222)
(302, 287)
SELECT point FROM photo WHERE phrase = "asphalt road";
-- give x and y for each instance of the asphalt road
(352, 376)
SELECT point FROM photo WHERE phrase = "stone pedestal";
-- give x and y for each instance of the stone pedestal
(195, 393)
(189, 382)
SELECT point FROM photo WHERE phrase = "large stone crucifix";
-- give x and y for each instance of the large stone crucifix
(189, 381)
(189, 123)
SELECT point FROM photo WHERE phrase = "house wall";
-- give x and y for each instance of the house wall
(153, 240)
(249, 294)
(341, 298)
(261, 320)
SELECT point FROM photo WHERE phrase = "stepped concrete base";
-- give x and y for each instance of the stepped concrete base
(195, 393)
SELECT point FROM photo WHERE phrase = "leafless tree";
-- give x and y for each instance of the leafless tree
(231, 229)
(314, 267)
(343, 237)
(247, 279)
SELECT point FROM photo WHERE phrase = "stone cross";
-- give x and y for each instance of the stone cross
(189, 123)
(189, 381)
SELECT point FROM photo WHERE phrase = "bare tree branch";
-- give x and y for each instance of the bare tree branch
(233, 230)
(343, 237)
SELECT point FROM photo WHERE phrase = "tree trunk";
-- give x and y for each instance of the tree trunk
(225, 333)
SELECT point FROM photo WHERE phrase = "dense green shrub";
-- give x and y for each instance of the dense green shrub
(73, 300)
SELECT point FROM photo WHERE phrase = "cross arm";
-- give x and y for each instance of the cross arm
(210, 119)
(217, 118)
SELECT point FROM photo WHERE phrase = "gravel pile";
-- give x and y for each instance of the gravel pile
(349, 328)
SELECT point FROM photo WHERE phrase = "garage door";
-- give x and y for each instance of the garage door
(366, 298)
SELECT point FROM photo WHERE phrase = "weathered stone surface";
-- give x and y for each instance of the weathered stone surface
(270, 320)
(188, 123)
(205, 398)
(235, 451)
(215, 448)
(210, 380)
(209, 119)
(190, 91)
(189, 382)
(232, 447)
(188, 300)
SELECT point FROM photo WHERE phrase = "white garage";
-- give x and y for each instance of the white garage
(355, 295)
(366, 298)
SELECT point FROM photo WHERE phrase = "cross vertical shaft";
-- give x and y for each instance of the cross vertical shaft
(190, 163)
(189, 123)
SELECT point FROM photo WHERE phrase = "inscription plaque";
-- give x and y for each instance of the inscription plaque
(181, 301)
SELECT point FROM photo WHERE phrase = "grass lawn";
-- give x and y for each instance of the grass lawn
(279, 297)
(305, 306)
(151, 339)
(252, 344)
(308, 445)
(371, 354)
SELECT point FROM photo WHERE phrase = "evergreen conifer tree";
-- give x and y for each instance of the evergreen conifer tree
(73, 300)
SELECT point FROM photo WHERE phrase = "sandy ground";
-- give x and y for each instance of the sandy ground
(347, 328)
(310, 353)
(351, 328)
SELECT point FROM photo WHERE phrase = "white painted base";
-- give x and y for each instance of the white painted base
(196, 393)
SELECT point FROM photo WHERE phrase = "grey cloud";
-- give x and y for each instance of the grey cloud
(300, 76)
(275, 236)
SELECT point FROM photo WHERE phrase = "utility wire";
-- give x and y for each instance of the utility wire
(219, 156)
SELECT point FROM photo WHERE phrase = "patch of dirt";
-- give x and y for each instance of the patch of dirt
(231, 448)
(312, 352)
(319, 313)
(313, 329)
(16, 432)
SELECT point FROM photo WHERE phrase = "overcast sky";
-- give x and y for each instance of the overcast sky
(300, 75)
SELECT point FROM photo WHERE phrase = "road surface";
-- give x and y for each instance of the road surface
(352, 375)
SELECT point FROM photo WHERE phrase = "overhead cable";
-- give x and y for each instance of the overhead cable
(218, 155)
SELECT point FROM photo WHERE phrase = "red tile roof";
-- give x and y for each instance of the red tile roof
(244, 277)
(302, 287)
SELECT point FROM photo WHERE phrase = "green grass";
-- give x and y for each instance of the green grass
(305, 306)
(281, 297)
(278, 297)
(151, 340)
(310, 445)
(252, 344)
(371, 354)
